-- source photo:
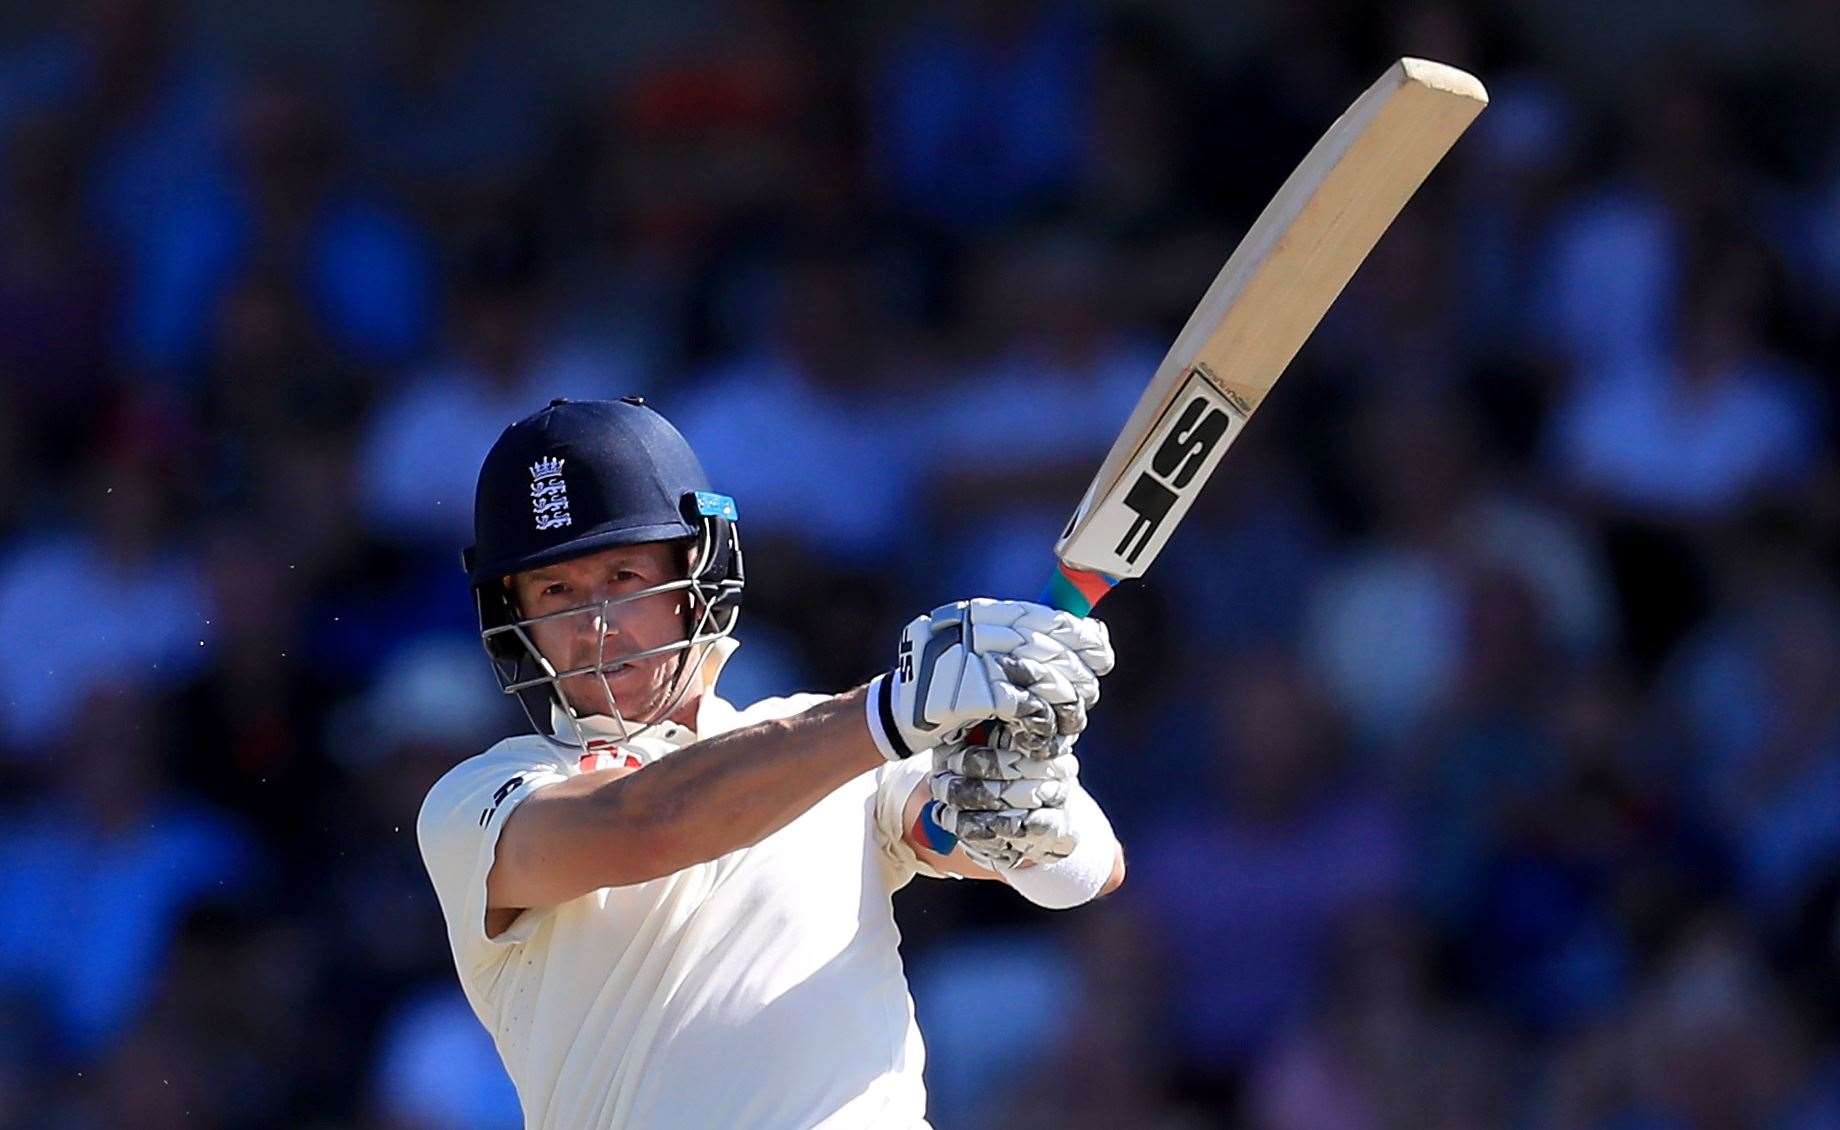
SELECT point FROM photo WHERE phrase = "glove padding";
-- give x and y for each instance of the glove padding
(1004, 805)
(1003, 839)
(1026, 665)
(1006, 763)
(1045, 787)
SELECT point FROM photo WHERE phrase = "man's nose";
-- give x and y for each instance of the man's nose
(596, 624)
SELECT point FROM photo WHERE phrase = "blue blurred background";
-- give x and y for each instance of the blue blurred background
(1476, 743)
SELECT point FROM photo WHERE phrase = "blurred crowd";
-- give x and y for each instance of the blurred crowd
(1475, 745)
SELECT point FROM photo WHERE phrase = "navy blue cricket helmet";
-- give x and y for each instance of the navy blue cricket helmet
(578, 477)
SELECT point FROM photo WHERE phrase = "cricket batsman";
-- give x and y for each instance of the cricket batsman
(671, 911)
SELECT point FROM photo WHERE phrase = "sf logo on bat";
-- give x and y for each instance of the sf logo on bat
(1185, 444)
(1173, 466)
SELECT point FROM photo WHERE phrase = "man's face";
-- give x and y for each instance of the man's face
(642, 688)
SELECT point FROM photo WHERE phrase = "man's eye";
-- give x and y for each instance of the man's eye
(555, 588)
(626, 575)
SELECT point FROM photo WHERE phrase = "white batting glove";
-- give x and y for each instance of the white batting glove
(1005, 838)
(1039, 783)
(1025, 665)
(1002, 804)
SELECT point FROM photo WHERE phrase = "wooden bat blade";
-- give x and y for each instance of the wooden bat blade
(1270, 295)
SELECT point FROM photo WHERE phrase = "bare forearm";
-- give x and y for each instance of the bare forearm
(735, 789)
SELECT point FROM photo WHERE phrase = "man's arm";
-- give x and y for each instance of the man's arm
(1026, 665)
(962, 865)
(618, 827)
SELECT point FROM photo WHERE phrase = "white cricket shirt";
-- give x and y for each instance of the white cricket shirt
(761, 990)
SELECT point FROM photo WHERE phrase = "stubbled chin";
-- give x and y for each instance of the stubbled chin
(639, 691)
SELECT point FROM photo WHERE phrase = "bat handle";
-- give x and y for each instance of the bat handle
(1076, 590)
(1070, 590)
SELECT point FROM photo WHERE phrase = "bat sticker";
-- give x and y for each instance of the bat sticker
(1185, 444)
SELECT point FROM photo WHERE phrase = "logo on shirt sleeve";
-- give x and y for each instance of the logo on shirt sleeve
(498, 798)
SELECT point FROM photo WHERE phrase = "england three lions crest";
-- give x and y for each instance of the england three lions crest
(549, 494)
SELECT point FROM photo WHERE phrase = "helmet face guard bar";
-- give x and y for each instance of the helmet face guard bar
(602, 664)
(713, 590)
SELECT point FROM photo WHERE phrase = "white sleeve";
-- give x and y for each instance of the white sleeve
(458, 832)
(894, 784)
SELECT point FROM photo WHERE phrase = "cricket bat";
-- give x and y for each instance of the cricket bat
(1274, 289)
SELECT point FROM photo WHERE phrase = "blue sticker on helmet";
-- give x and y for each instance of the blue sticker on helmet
(715, 505)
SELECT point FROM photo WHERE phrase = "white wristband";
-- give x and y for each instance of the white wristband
(882, 730)
(1079, 877)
